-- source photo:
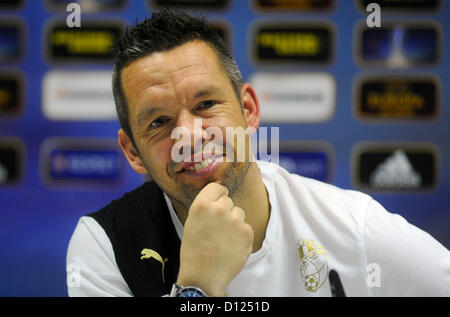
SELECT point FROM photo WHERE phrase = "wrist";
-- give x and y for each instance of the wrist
(186, 291)
(208, 288)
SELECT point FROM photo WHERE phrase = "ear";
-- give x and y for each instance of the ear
(131, 153)
(250, 103)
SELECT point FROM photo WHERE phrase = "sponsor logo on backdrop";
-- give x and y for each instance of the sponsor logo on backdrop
(308, 164)
(313, 159)
(89, 164)
(399, 44)
(12, 38)
(90, 43)
(81, 162)
(11, 93)
(10, 4)
(78, 95)
(191, 4)
(12, 155)
(401, 5)
(300, 5)
(396, 167)
(223, 30)
(300, 97)
(90, 6)
(293, 43)
(397, 97)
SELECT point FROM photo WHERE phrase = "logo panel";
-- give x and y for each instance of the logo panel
(395, 167)
(191, 4)
(223, 29)
(308, 164)
(10, 4)
(295, 97)
(78, 95)
(400, 6)
(293, 43)
(70, 162)
(398, 97)
(91, 43)
(11, 94)
(12, 37)
(91, 6)
(12, 155)
(311, 159)
(399, 44)
(294, 5)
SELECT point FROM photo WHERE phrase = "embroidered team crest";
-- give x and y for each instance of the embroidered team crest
(314, 264)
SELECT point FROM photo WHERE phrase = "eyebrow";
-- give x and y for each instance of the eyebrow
(144, 114)
(206, 92)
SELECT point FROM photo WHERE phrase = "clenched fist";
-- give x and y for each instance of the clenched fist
(216, 241)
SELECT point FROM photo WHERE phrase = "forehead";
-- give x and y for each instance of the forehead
(162, 72)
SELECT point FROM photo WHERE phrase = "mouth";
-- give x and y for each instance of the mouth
(202, 169)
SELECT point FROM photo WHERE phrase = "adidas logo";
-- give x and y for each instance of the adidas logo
(396, 172)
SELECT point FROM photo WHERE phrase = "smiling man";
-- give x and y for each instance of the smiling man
(213, 224)
(171, 89)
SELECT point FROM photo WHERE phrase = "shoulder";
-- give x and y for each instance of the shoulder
(410, 261)
(134, 201)
(90, 259)
(315, 195)
(108, 241)
(137, 213)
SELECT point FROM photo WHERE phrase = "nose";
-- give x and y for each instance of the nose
(195, 127)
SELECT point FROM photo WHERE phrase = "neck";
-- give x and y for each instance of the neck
(253, 198)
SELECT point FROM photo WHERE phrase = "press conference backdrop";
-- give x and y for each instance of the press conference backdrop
(361, 108)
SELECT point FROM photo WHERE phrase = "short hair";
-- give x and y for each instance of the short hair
(164, 31)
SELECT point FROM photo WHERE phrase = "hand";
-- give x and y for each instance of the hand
(216, 241)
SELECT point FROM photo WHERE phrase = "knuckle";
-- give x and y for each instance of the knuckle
(236, 219)
(221, 209)
(201, 205)
(228, 200)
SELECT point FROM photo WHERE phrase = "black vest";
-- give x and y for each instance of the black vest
(137, 221)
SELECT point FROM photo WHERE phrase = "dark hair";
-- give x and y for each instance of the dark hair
(164, 31)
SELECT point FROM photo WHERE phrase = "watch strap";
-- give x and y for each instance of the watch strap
(186, 291)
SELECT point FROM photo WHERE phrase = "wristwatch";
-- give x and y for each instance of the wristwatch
(186, 291)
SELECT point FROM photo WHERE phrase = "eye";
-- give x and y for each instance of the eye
(157, 123)
(206, 104)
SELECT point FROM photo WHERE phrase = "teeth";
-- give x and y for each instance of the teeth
(203, 164)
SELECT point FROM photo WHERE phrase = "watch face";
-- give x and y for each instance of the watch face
(190, 292)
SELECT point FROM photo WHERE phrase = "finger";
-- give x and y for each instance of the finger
(226, 202)
(239, 212)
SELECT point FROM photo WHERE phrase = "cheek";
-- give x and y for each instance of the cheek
(157, 158)
(224, 120)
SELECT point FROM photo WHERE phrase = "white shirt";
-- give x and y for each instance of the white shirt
(313, 227)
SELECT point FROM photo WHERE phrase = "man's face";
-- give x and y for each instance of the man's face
(170, 89)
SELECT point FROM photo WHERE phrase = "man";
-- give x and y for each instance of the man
(220, 226)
